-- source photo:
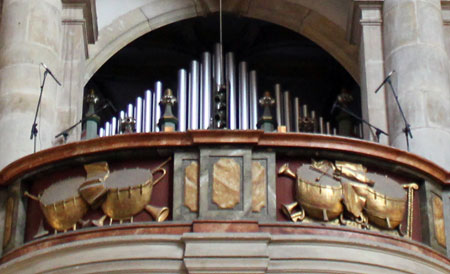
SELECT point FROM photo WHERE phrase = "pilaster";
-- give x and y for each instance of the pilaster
(79, 28)
(366, 28)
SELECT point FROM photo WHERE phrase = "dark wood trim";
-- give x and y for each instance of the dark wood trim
(367, 149)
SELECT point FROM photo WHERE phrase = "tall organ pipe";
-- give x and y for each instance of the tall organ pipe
(130, 110)
(253, 87)
(155, 108)
(113, 126)
(243, 96)
(182, 101)
(287, 110)
(194, 96)
(121, 117)
(139, 107)
(296, 114)
(206, 91)
(107, 129)
(231, 82)
(218, 66)
(148, 111)
(278, 105)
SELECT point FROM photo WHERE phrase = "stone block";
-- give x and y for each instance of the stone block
(400, 26)
(226, 184)
(226, 252)
(209, 183)
(184, 200)
(430, 15)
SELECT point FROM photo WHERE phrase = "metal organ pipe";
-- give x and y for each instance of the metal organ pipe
(113, 126)
(296, 114)
(194, 96)
(231, 82)
(107, 129)
(253, 87)
(147, 126)
(182, 94)
(101, 132)
(243, 96)
(278, 104)
(156, 109)
(119, 123)
(206, 91)
(218, 66)
(130, 110)
(138, 117)
(287, 110)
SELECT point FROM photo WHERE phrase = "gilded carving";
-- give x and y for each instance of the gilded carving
(226, 183)
(191, 187)
(129, 191)
(327, 190)
(258, 186)
(439, 225)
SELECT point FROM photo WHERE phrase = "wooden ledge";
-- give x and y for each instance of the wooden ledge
(41, 159)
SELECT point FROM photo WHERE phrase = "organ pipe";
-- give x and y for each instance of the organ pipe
(253, 87)
(243, 96)
(148, 111)
(194, 96)
(138, 117)
(206, 91)
(278, 105)
(296, 114)
(155, 108)
(287, 110)
(182, 99)
(231, 83)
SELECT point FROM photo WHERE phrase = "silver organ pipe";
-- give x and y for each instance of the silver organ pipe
(243, 96)
(155, 108)
(139, 106)
(196, 101)
(218, 66)
(206, 91)
(278, 105)
(147, 126)
(130, 110)
(182, 101)
(321, 126)
(231, 83)
(113, 126)
(253, 87)
(194, 96)
(119, 123)
(313, 119)
(287, 110)
(296, 114)
(107, 129)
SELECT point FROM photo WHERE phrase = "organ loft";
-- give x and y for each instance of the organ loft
(223, 136)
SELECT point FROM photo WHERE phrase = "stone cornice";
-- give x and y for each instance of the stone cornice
(356, 19)
(89, 16)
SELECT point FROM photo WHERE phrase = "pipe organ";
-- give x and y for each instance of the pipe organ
(218, 92)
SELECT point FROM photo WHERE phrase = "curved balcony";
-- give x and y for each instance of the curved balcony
(238, 202)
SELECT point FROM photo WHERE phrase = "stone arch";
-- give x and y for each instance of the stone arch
(305, 20)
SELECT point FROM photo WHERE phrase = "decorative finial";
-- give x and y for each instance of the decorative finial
(168, 122)
(266, 122)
